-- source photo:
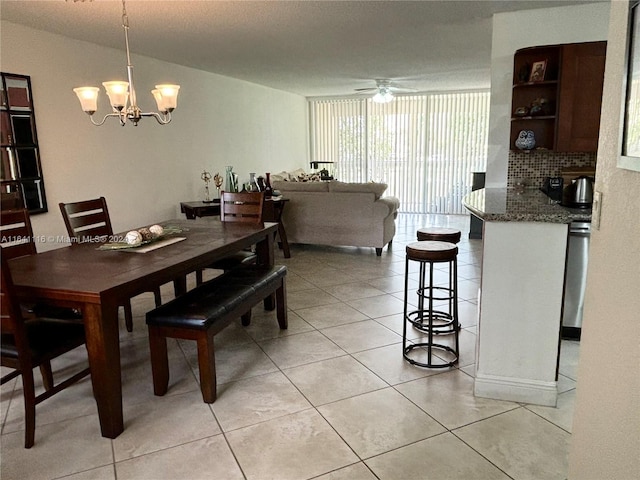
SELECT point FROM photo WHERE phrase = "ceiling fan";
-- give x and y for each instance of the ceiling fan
(384, 90)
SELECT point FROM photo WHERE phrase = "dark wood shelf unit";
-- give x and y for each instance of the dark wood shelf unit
(572, 87)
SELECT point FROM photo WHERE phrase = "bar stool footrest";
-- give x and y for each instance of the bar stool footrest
(434, 346)
(420, 293)
(446, 323)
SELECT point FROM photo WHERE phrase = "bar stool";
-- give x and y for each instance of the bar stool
(440, 234)
(437, 234)
(429, 320)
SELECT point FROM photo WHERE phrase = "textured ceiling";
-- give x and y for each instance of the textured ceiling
(312, 48)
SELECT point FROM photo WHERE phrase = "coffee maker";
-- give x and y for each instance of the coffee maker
(553, 188)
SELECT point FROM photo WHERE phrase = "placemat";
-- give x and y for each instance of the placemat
(155, 245)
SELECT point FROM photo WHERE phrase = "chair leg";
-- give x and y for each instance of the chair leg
(246, 319)
(207, 367)
(281, 304)
(159, 361)
(198, 277)
(157, 297)
(180, 286)
(29, 394)
(128, 316)
(270, 302)
(47, 375)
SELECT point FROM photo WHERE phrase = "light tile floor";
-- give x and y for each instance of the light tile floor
(329, 398)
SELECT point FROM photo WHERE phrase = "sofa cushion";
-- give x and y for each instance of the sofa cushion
(375, 188)
(300, 186)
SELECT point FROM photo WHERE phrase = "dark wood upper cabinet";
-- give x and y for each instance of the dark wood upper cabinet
(568, 118)
(22, 184)
(581, 97)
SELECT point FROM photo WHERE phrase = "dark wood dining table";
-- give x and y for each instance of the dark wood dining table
(97, 281)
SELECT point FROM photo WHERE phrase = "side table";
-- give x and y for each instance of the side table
(272, 212)
(200, 209)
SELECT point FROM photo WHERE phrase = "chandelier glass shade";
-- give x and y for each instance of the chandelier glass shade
(122, 95)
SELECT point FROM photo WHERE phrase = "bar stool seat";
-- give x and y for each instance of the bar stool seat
(439, 234)
(426, 318)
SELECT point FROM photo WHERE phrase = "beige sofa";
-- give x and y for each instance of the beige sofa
(337, 213)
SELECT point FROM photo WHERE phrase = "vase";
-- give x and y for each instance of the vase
(253, 186)
(231, 180)
(268, 191)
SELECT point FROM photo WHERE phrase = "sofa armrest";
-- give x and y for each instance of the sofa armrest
(389, 205)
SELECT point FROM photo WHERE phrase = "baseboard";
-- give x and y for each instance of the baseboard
(516, 390)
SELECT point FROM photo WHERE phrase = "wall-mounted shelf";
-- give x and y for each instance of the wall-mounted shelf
(572, 87)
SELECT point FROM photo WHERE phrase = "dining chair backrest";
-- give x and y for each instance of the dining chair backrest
(11, 200)
(16, 235)
(241, 207)
(86, 220)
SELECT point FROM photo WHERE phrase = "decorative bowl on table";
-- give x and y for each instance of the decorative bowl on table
(141, 236)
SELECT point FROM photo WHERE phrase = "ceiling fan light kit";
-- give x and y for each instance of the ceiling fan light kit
(122, 95)
(383, 95)
(384, 91)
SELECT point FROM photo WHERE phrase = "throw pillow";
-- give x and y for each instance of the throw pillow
(275, 177)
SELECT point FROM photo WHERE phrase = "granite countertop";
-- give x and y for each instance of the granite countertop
(506, 205)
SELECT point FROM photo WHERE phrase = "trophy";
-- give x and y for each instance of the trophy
(217, 180)
(206, 177)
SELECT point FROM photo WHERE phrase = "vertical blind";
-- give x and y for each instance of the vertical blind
(423, 146)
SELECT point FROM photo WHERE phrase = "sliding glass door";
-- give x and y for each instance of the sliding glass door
(425, 147)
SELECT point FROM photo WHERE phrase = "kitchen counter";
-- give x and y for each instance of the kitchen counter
(520, 299)
(506, 205)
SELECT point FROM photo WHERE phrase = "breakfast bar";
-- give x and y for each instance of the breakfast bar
(525, 237)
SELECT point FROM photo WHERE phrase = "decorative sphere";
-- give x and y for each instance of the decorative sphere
(133, 237)
(145, 233)
(526, 140)
(156, 230)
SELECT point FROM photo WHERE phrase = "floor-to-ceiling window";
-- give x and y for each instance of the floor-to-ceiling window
(424, 146)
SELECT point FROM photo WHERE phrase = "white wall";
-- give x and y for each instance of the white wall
(145, 171)
(606, 428)
(530, 28)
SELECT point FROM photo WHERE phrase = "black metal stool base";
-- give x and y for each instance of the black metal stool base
(442, 323)
(430, 356)
(427, 319)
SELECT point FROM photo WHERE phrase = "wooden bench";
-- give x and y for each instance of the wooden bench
(206, 310)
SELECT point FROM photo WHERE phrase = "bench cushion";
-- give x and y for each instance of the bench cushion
(213, 300)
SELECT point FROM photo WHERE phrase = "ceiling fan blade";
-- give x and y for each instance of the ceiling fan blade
(402, 89)
(370, 89)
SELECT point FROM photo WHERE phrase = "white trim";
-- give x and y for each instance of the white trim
(516, 389)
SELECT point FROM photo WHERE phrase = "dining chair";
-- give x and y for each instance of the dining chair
(31, 343)
(237, 207)
(89, 220)
(17, 240)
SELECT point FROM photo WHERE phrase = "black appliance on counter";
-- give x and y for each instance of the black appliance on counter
(553, 188)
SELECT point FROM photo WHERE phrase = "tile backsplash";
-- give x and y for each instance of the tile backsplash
(534, 166)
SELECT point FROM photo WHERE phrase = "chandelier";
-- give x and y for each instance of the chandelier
(122, 95)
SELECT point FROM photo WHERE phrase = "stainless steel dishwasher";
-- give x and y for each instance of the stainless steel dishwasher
(575, 278)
